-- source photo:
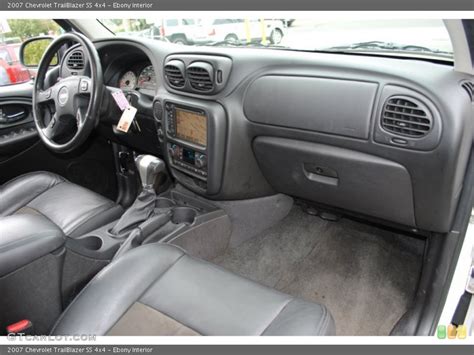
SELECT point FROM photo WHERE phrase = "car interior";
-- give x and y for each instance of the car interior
(256, 191)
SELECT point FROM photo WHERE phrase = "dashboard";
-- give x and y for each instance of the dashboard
(371, 135)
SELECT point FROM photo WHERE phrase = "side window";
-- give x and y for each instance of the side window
(223, 21)
(12, 34)
(188, 21)
(172, 22)
(4, 55)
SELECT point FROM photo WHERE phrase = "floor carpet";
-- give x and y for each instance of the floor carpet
(365, 275)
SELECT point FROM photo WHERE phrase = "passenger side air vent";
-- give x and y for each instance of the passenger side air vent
(75, 61)
(201, 76)
(406, 117)
(469, 87)
(174, 73)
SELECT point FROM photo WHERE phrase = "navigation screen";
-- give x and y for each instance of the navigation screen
(191, 126)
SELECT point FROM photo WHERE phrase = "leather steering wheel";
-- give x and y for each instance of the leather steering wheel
(66, 113)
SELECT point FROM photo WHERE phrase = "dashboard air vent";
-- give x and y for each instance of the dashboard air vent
(75, 61)
(406, 117)
(174, 73)
(469, 87)
(201, 76)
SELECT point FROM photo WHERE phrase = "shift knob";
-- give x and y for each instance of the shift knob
(149, 167)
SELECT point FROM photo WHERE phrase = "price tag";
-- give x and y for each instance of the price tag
(120, 99)
(127, 118)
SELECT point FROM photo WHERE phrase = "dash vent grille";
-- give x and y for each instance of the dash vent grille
(75, 61)
(469, 87)
(406, 117)
(200, 78)
(175, 75)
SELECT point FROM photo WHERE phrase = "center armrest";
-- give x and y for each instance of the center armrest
(25, 238)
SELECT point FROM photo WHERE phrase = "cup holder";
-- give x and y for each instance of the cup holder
(183, 215)
(91, 242)
(163, 202)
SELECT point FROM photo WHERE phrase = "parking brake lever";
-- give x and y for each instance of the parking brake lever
(139, 234)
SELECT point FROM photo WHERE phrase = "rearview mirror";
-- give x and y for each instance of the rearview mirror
(32, 51)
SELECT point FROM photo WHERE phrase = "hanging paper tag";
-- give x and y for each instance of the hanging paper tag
(127, 118)
(120, 99)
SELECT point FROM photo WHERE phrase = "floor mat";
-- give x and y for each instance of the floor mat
(365, 275)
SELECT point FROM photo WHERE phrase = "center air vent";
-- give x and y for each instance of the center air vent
(75, 61)
(174, 73)
(469, 87)
(201, 76)
(406, 117)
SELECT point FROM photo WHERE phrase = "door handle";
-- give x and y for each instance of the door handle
(4, 118)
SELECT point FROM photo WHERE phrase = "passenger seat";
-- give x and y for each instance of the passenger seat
(158, 289)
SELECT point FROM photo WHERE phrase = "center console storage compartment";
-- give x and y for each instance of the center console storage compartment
(347, 179)
(31, 259)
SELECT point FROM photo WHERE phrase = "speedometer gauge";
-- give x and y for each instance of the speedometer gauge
(147, 79)
(128, 81)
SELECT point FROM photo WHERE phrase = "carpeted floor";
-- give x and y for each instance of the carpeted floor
(365, 275)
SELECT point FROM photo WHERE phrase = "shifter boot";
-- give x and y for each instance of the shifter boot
(141, 210)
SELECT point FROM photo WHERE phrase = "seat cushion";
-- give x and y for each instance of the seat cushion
(158, 289)
(74, 209)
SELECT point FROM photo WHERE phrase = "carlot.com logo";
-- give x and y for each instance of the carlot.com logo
(452, 332)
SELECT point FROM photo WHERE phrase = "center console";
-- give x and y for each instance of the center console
(193, 137)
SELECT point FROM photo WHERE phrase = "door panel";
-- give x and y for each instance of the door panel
(21, 150)
(17, 129)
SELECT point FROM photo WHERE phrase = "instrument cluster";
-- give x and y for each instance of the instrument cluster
(142, 79)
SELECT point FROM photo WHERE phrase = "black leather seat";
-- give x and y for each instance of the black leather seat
(74, 209)
(157, 289)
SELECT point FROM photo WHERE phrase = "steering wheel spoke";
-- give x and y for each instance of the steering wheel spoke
(51, 130)
(44, 96)
(80, 116)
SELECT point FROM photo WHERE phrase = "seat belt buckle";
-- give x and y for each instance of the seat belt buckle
(23, 327)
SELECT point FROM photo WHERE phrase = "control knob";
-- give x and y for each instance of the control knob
(201, 161)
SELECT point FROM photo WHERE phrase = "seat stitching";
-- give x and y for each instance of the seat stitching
(145, 291)
(37, 196)
(279, 312)
(93, 213)
(166, 314)
(86, 287)
(39, 212)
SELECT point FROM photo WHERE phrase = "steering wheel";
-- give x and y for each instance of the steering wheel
(66, 113)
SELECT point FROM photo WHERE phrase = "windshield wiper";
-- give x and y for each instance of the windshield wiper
(232, 43)
(387, 46)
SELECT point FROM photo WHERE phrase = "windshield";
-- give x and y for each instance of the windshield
(401, 37)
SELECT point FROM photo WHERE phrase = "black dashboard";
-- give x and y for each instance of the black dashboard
(380, 136)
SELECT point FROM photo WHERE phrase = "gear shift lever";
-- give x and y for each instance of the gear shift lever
(148, 168)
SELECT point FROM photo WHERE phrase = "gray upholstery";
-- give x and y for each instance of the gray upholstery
(72, 208)
(25, 238)
(201, 297)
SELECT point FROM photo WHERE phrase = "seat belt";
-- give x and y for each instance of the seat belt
(458, 322)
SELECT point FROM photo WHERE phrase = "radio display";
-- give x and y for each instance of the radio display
(191, 126)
